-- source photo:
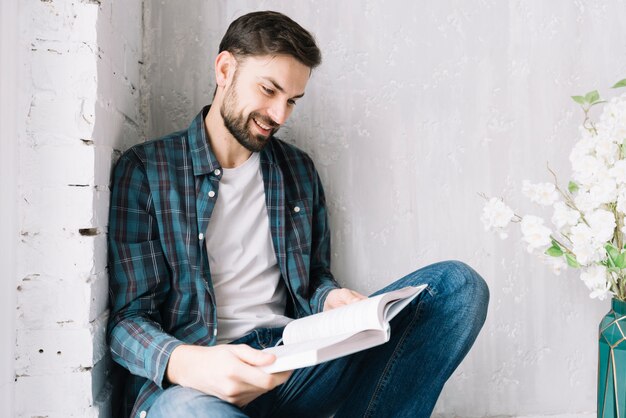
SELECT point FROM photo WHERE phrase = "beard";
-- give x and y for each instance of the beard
(239, 125)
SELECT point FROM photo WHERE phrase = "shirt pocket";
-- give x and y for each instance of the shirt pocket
(299, 218)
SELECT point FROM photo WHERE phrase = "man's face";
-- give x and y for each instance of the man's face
(261, 96)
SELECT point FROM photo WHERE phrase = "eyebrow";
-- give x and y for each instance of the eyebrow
(279, 87)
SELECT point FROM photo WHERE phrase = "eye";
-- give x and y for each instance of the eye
(291, 102)
(267, 90)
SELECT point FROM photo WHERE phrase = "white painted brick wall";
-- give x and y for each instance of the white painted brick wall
(80, 107)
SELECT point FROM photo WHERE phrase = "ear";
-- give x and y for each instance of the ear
(225, 65)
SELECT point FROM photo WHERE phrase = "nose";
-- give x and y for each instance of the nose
(279, 112)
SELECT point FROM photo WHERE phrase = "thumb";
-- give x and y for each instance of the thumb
(351, 297)
(356, 296)
(252, 356)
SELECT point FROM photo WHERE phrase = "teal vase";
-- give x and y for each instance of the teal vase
(612, 363)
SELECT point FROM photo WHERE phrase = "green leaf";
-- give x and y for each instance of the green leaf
(554, 251)
(597, 102)
(620, 261)
(612, 252)
(579, 99)
(592, 96)
(571, 261)
(621, 83)
(572, 187)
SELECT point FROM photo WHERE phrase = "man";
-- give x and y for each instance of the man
(218, 236)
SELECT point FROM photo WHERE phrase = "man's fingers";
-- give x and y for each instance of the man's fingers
(340, 297)
(352, 296)
(251, 378)
(358, 295)
(251, 374)
(282, 377)
(253, 357)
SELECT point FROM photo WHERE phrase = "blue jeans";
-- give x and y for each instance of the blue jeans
(402, 378)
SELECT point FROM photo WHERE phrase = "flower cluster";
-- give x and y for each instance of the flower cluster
(588, 230)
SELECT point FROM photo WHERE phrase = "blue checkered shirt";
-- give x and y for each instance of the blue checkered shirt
(160, 282)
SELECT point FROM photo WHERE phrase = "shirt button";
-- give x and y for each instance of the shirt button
(200, 236)
(143, 414)
(211, 193)
(217, 171)
(296, 209)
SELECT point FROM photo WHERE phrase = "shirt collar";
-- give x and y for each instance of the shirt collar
(204, 161)
(202, 156)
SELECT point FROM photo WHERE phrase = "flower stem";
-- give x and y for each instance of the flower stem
(567, 250)
(569, 200)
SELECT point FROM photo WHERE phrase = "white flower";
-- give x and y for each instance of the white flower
(602, 223)
(542, 193)
(604, 189)
(564, 215)
(587, 224)
(586, 201)
(595, 278)
(601, 293)
(534, 233)
(613, 119)
(496, 216)
(618, 172)
(607, 150)
(586, 168)
(582, 147)
(588, 240)
(584, 245)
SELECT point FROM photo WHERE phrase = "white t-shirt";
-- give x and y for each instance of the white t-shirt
(246, 279)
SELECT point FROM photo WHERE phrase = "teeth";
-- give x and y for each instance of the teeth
(262, 125)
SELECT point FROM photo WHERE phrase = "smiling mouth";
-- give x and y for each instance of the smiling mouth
(263, 127)
(261, 124)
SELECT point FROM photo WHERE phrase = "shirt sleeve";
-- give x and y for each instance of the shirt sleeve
(139, 276)
(321, 278)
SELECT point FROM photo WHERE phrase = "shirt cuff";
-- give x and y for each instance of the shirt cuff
(319, 297)
(157, 363)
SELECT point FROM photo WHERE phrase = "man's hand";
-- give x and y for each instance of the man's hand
(228, 372)
(340, 297)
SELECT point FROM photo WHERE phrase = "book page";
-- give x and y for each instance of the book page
(371, 313)
(397, 300)
(348, 319)
(310, 353)
(339, 332)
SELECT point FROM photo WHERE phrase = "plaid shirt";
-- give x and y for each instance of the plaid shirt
(160, 282)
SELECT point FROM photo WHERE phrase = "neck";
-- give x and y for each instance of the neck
(228, 151)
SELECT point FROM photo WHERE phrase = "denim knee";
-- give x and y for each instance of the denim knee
(457, 276)
(178, 401)
(466, 291)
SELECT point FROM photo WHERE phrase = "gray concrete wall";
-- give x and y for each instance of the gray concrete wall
(416, 108)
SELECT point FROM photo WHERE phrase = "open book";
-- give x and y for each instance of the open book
(338, 332)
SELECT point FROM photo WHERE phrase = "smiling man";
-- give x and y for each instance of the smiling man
(218, 237)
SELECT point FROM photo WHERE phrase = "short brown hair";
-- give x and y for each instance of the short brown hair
(266, 33)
